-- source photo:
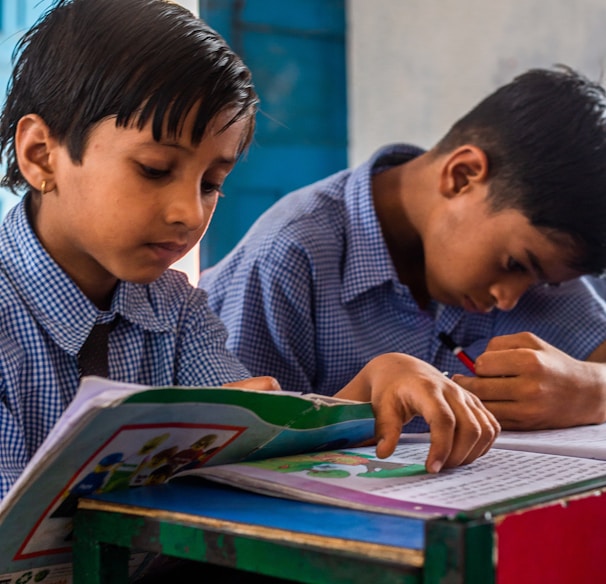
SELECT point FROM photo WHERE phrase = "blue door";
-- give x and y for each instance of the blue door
(296, 52)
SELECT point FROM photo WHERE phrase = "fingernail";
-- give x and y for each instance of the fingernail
(436, 467)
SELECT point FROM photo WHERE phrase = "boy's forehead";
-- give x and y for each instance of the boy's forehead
(554, 263)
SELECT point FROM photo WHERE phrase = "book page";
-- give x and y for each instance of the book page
(399, 484)
(582, 441)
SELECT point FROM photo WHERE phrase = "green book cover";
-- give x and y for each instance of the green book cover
(116, 435)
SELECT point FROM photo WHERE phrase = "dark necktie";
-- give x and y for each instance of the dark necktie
(92, 358)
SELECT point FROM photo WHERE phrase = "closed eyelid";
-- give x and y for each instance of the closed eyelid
(514, 265)
(210, 186)
(152, 171)
(536, 266)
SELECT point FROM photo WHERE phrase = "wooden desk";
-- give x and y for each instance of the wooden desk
(556, 539)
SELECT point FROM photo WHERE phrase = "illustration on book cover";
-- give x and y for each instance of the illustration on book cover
(134, 456)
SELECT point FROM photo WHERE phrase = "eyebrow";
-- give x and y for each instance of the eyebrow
(536, 266)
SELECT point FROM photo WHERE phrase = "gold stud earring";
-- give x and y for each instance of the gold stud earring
(43, 187)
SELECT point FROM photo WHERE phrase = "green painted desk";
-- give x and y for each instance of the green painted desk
(557, 538)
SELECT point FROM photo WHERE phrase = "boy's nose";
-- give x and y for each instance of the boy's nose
(507, 293)
(185, 207)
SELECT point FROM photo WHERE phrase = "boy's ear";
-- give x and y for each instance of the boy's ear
(33, 147)
(464, 168)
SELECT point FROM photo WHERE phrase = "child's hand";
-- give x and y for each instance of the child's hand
(400, 387)
(265, 383)
(530, 385)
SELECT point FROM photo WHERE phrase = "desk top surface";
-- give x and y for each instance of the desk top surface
(197, 498)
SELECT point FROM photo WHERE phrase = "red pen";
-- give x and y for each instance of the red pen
(458, 352)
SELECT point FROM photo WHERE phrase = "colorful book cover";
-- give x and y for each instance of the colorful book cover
(117, 436)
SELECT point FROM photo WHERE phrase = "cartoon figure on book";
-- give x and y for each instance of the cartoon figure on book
(340, 464)
(122, 121)
(150, 464)
(479, 240)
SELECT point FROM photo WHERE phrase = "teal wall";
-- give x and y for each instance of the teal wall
(296, 52)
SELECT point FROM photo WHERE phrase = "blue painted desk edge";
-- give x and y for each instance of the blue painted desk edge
(201, 498)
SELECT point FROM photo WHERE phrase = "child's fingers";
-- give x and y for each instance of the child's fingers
(390, 416)
(264, 383)
(468, 434)
(476, 445)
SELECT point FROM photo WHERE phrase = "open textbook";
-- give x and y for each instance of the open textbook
(116, 435)
(522, 466)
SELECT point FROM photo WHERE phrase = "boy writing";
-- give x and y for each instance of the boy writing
(414, 243)
(122, 121)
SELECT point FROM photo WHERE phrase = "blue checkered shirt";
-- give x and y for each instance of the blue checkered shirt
(310, 294)
(165, 336)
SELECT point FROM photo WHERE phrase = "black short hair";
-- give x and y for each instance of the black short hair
(545, 138)
(137, 60)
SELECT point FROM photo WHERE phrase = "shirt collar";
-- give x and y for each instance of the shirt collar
(367, 261)
(53, 298)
